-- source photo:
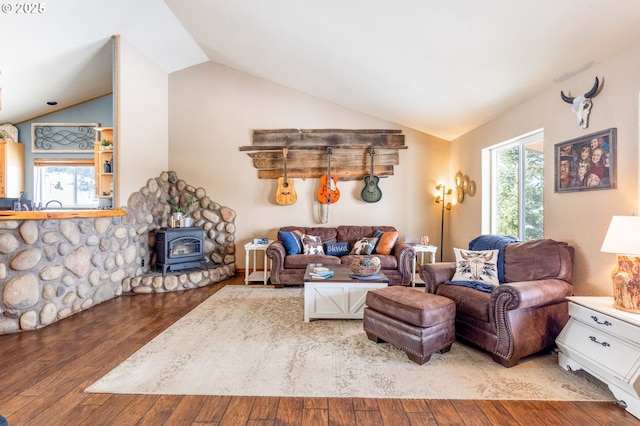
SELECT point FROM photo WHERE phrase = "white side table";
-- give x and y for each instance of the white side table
(605, 342)
(254, 274)
(422, 250)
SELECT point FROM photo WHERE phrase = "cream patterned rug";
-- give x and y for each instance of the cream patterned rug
(251, 340)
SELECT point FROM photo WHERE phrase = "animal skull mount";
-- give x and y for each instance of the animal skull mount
(582, 104)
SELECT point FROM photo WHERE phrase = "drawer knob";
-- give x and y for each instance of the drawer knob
(593, 339)
(605, 322)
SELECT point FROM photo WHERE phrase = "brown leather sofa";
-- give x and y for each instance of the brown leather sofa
(521, 316)
(289, 269)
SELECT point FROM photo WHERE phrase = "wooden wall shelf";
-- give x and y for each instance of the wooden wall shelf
(307, 152)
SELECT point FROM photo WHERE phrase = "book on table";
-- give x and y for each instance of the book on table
(322, 275)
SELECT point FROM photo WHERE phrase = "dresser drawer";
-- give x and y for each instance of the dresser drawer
(615, 355)
(605, 323)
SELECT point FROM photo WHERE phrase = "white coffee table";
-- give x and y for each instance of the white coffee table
(338, 297)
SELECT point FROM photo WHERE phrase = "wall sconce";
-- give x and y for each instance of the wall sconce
(622, 239)
(445, 205)
(464, 185)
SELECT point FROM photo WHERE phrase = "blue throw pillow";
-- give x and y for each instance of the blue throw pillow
(291, 241)
(336, 249)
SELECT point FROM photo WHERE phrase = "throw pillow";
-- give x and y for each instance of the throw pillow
(364, 246)
(312, 244)
(477, 266)
(336, 249)
(386, 242)
(292, 241)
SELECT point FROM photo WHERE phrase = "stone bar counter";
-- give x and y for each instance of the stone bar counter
(55, 263)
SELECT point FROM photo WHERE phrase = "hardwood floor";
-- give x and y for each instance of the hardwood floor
(43, 375)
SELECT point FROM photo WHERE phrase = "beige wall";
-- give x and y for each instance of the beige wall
(142, 108)
(213, 110)
(580, 218)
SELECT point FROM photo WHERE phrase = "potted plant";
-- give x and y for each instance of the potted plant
(186, 209)
(176, 208)
(106, 145)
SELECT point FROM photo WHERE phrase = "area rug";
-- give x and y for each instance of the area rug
(252, 340)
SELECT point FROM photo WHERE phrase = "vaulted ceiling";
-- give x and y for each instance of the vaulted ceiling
(441, 67)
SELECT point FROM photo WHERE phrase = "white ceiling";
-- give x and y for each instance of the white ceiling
(441, 67)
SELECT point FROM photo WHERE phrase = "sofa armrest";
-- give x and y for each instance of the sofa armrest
(434, 274)
(404, 254)
(529, 294)
(277, 253)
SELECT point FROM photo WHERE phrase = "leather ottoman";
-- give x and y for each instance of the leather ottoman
(416, 322)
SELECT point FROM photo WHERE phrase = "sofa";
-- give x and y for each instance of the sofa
(288, 267)
(521, 315)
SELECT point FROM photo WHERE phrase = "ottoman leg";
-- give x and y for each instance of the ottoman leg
(419, 359)
(374, 338)
(445, 349)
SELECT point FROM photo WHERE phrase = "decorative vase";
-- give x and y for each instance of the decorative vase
(187, 221)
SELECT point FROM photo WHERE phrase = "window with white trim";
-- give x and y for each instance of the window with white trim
(70, 181)
(517, 187)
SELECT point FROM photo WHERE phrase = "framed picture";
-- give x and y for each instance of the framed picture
(586, 163)
(63, 137)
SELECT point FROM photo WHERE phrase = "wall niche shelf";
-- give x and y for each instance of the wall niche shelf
(307, 152)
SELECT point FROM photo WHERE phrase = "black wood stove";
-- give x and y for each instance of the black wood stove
(178, 249)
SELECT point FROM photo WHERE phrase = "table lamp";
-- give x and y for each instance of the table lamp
(623, 239)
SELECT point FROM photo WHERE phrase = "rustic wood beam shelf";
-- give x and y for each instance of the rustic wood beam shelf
(307, 152)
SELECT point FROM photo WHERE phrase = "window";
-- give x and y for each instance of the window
(72, 182)
(517, 187)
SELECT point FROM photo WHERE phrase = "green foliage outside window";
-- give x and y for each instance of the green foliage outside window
(507, 191)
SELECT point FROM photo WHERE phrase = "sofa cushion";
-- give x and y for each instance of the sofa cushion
(337, 249)
(327, 235)
(468, 300)
(300, 261)
(292, 241)
(364, 246)
(353, 233)
(312, 244)
(536, 260)
(477, 267)
(387, 261)
(386, 241)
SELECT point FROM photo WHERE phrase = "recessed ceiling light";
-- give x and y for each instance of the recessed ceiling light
(52, 103)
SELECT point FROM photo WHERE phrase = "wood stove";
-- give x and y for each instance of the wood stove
(178, 249)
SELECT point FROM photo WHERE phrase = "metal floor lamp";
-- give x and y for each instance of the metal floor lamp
(445, 205)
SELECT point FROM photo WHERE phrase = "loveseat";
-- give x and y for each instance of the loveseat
(288, 267)
(525, 312)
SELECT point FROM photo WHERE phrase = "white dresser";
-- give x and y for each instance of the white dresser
(605, 342)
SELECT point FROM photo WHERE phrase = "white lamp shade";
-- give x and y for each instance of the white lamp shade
(623, 236)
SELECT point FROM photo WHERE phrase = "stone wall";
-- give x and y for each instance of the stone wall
(53, 268)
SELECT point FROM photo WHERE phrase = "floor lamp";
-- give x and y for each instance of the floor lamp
(445, 205)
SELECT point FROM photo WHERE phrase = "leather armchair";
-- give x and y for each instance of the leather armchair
(520, 317)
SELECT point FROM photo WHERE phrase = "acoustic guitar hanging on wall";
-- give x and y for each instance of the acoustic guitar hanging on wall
(328, 192)
(371, 193)
(286, 194)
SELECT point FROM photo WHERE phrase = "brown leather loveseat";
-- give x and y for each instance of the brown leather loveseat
(288, 269)
(522, 315)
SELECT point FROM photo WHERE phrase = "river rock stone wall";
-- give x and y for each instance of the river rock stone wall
(53, 268)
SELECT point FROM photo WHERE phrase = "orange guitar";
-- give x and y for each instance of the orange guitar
(286, 194)
(328, 192)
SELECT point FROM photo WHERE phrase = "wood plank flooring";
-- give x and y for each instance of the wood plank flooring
(43, 374)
